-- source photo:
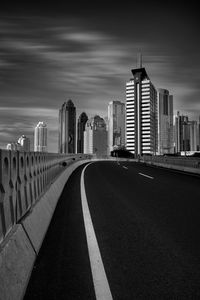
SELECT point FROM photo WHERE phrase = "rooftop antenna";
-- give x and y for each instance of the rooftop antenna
(139, 60)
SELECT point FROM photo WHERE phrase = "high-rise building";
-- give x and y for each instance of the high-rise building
(165, 122)
(193, 135)
(198, 135)
(186, 134)
(25, 143)
(95, 136)
(116, 124)
(40, 137)
(182, 133)
(80, 132)
(67, 128)
(141, 114)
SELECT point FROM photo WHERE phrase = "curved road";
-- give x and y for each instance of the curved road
(146, 221)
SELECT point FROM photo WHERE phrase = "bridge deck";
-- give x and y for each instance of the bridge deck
(147, 225)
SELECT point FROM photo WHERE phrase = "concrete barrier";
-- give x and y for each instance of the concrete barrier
(16, 261)
(176, 167)
(23, 240)
(6, 200)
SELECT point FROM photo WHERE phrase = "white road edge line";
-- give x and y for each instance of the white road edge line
(125, 167)
(101, 285)
(146, 175)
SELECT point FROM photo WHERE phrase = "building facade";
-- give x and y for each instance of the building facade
(80, 132)
(40, 137)
(186, 134)
(181, 133)
(25, 143)
(95, 137)
(116, 125)
(141, 114)
(67, 128)
(193, 135)
(198, 135)
(165, 122)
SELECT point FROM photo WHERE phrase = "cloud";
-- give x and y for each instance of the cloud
(83, 37)
(45, 61)
(29, 111)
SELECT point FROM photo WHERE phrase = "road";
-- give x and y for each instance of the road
(146, 221)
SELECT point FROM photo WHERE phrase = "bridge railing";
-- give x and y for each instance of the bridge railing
(184, 161)
(24, 177)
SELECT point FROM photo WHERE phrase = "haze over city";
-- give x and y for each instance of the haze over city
(85, 53)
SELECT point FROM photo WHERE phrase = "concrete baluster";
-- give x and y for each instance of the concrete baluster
(45, 170)
(35, 182)
(37, 155)
(48, 169)
(13, 181)
(22, 201)
(27, 178)
(41, 173)
(51, 170)
(6, 204)
(32, 177)
(54, 173)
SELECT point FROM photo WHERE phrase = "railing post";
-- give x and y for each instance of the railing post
(22, 201)
(27, 177)
(13, 180)
(6, 201)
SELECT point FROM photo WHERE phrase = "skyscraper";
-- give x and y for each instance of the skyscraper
(193, 135)
(141, 114)
(67, 128)
(25, 143)
(165, 122)
(40, 137)
(186, 134)
(182, 133)
(95, 136)
(116, 124)
(80, 132)
(198, 135)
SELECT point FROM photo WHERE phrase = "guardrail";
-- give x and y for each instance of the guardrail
(24, 177)
(187, 162)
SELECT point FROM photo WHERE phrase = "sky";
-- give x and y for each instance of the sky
(85, 51)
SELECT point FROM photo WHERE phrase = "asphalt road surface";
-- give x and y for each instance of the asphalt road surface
(147, 226)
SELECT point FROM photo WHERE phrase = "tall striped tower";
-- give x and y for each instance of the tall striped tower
(141, 114)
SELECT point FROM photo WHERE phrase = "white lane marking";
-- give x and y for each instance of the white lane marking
(125, 167)
(146, 175)
(101, 285)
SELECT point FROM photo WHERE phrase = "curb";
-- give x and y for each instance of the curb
(19, 250)
(188, 170)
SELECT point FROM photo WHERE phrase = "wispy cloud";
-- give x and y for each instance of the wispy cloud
(29, 111)
(83, 37)
(45, 61)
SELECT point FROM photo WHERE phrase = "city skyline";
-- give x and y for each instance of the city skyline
(48, 55)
